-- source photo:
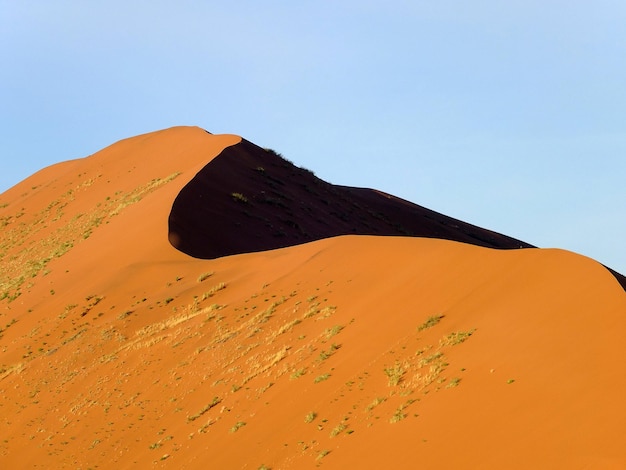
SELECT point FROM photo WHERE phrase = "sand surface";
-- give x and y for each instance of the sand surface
(356, 351)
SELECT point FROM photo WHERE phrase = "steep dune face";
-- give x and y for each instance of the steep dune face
(118, 350)
(250, 199)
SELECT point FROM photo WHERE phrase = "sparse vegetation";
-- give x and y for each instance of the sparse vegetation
(239, 197)
(288, 326)
(330, 332)
(204, 276)
(322, 454)
(326, 354)
(298, 373)
(2, 330)
(125, 314)
(62, 232)
(453, 382)
(273, 152)
(377, 401)
(238, 425)
(430, 322)
(427, 360)
(338, 429)
(213, 290)
(216, 401)
(395, 373)
(92, 301)
(321, 378)
(310, 417)
(456, 338)
(399, 414)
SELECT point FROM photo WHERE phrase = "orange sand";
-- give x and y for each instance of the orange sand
(122, 352)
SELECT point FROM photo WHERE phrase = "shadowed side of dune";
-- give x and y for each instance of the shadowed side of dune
(620, 277)
(250, 199)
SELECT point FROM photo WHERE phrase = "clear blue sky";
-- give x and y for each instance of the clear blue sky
(507, 114)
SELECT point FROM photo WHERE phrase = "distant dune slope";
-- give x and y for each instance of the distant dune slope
(119, 351)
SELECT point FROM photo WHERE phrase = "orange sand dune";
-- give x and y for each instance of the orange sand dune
(117, 350)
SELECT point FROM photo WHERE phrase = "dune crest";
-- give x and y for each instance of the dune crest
(251, 199)
(116, 349)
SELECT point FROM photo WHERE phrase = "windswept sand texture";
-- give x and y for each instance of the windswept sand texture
(354, 351)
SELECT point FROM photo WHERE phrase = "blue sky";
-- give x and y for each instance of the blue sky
(510, 114)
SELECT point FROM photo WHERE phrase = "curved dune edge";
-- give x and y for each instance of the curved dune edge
(123, 351)
(249, 199)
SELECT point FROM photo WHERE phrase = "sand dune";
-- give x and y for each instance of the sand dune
(251, 199)
(118, 350)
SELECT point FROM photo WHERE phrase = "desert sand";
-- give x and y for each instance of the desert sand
(371, 333)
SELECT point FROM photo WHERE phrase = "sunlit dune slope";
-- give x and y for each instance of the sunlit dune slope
(60, 208)
(119, 351)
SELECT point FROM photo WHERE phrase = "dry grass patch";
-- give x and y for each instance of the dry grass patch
(341, 427)
(395, 373)
(377, 401)
(322, 454)
(321, 378)
(330, 332)
(62, 233)
(454, 382)
(430, 322)
(297, 373)
(210, 293)
(456, 337)
(326, 354)
(216, 401)
(238, 425)
(204, 276)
